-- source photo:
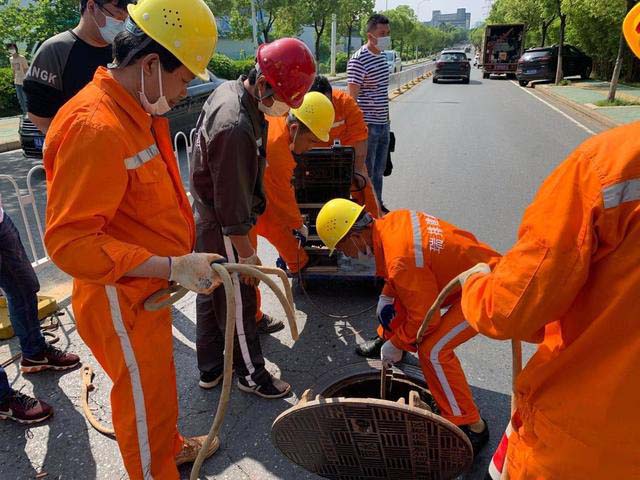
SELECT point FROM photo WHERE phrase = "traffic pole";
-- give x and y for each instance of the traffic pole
(334, 39)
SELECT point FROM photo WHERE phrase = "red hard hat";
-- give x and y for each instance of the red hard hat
(289, 67)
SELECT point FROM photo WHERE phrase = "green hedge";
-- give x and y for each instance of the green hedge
(9, 105)
(224, 67)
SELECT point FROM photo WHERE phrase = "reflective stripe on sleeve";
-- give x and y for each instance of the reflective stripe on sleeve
(417, 240)
(620, 193)
(142, 157)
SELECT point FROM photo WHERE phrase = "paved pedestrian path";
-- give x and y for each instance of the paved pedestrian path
(587, 94)
(9, 137)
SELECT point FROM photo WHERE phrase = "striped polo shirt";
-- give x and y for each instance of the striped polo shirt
(371, 73)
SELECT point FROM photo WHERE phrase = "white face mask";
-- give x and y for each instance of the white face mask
(278, 109)
(383, 43)
(365, 256)
(12, 51)
(161, 106)
(111, 28)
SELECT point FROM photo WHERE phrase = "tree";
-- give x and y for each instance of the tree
(403, 22)
(351, 13)
(317, 14)
(619, 59)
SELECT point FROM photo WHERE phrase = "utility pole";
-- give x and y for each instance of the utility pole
(254, 24)
(334, 40)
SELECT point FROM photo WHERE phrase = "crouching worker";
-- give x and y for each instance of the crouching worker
(281, 223)
(119, 222)
(417, 255)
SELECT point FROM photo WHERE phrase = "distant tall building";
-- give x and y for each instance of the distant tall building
(460, 19)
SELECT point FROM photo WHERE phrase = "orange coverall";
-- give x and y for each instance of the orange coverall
(350, 128)
(115, 200)
(417, 255)
(572, 284)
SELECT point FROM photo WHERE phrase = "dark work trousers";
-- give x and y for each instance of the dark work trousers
(211, 317)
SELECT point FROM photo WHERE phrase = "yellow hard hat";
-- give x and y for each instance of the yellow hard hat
(317, 113)
(631, 29)
(186, 28)
(336, 219)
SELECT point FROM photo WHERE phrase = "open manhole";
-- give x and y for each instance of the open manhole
(341, 429)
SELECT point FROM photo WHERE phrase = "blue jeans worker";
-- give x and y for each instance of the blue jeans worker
(20, 285)
(377, 152)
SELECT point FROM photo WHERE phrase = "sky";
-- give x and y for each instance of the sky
(476, 7)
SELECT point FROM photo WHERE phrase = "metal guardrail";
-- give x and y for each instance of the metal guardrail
(409, 76)
(35, 236)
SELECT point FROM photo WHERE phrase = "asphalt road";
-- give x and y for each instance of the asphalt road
(471, 154)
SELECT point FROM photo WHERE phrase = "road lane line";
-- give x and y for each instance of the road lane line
(556, 109)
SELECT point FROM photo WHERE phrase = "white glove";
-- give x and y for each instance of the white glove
(481, 268)
(390, 354)
(194, 272)
(252, 260)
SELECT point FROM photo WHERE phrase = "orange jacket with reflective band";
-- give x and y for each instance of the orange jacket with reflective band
(417, 255)
(281, 196)
(572, 282)
(349, 126)
(115, 194)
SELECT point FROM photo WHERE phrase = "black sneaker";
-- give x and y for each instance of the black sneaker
(209, 380)
(51, 358)
(478, 440)
(24, 409)
(275, 388)
(268, 325)
(370, 348)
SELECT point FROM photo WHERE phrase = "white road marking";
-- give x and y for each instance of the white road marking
(556, 109)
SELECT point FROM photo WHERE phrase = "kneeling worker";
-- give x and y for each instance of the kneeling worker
(417, 255)
(120, 223)
(281, 223)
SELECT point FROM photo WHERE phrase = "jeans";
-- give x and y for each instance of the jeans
(20, 285)
(377, 152)
(22, 98)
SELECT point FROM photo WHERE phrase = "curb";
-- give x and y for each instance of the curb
(8, 146)
(588, 112)
(408, 86)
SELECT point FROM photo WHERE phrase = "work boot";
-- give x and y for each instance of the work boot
(268, 325)
(384, 209)
(51, 358)
(370, 348)
(274, 388)
(191, 447)
(209, 380)
(24, 409)
(478, 440)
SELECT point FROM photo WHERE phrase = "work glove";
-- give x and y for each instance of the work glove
(194, 272)
(302, 234)
(252, 260)
(482, 268)
(385, 311)
(390, 354)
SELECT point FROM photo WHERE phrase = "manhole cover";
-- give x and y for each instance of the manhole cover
(370, 439)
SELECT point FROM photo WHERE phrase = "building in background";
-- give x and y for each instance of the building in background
(460, 19)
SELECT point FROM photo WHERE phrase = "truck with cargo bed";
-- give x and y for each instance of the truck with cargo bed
(501, 49)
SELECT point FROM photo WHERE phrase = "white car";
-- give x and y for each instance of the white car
(394, 62)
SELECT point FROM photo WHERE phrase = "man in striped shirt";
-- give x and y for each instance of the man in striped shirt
(368, 79)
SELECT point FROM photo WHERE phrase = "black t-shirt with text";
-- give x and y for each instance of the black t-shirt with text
(63, 65)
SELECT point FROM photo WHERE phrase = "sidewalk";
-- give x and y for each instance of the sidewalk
(9, 137)
(583, 95)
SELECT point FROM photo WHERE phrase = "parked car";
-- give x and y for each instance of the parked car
(542, 63)
(394, 62)
(452, 65)
(182, 118)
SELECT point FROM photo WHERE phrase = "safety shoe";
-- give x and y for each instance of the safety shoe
(24, 409)
(478, 440)
(370, 348)
(209, 380)
(275, 388)
(191, 446)
(51, 358)
(384, 209)
(268, 325)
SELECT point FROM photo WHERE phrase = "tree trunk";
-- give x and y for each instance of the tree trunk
(319, 38)
(616, 71)
(349, 33)
(265, 34)
(559, 70)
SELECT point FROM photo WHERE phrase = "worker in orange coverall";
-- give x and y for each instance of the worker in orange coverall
(351, 130)
(417, 255)
(571, 284)
(119, 222)
(281, 224)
